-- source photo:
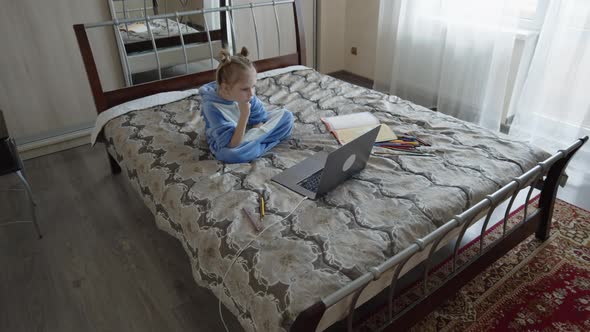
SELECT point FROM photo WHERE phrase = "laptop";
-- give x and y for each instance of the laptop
(324, 171)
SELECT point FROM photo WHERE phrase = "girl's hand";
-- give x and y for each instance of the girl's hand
(238, 135)
(244, 108)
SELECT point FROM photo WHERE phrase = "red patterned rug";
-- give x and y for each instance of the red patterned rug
(537, 286)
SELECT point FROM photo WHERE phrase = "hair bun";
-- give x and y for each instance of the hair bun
(224, 56)
(244, 51)
(227, 70)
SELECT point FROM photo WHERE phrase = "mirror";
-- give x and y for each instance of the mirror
(152, 49)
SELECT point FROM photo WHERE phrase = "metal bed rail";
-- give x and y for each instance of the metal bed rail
(176, 16)
(127, 11)
(432, 241)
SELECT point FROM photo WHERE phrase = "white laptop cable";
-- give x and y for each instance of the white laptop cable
(246, 247)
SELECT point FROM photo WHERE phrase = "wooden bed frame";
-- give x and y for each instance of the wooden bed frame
(545, 176)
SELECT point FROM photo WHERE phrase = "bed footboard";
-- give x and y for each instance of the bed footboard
(548, 173)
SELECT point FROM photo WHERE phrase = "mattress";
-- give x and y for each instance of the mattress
(326, 243)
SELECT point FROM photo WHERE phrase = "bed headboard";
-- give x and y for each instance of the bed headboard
(107, 99)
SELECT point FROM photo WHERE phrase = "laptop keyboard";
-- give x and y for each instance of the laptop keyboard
(312, 182)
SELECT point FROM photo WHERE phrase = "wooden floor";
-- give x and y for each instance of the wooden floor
(102, 264)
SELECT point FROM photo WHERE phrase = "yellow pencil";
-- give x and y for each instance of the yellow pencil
(404, 142)
(261, 206)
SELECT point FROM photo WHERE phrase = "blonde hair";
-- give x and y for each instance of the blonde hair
(230, 65)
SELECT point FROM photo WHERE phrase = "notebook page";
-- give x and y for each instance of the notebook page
(349, 134)
(362, 119)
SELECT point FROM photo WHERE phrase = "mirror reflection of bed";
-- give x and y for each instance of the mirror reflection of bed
(154, 51)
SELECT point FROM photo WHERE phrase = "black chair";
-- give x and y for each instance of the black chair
(10, 162)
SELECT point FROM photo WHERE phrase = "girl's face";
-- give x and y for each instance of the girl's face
(243, 89)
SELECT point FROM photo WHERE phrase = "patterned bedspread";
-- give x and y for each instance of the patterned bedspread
(158, 27)
(326, 243)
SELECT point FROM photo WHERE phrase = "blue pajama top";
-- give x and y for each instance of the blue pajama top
(221, 119)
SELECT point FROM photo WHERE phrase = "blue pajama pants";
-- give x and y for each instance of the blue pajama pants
(259, 140)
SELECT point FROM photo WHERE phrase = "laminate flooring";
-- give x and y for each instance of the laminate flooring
(102, 264)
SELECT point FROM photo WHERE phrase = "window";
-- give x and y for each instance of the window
(532, 13)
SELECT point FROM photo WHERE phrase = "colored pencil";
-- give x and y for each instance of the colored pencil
(404, 142)
(422, 142)
(261, 207)
(396, 145)
(257, 226)
(404, 153)
(416, 138)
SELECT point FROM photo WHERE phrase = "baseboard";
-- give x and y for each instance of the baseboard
(54, 144)
(349, 77)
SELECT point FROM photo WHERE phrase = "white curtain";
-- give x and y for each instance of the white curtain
(554, 107)
(454, 55)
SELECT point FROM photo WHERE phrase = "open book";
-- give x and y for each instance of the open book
(348, 127)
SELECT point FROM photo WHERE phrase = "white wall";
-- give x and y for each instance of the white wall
(43, 85)
(344, 24)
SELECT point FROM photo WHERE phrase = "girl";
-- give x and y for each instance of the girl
(238, 127)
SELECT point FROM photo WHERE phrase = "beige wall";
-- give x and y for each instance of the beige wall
(170, 6)
(361, 32)
(308, 30)
(332, 16)
(267, 31)
(164, 6)
(43, 85)
(345, 24)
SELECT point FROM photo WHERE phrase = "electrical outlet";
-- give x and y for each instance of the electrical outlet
(353, 50)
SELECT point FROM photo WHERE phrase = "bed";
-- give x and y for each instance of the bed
(154, 46)
(328, 256)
